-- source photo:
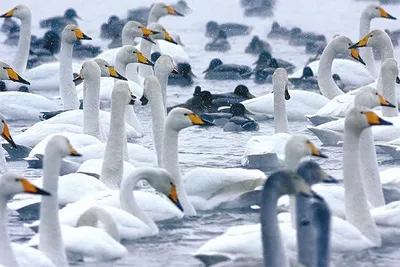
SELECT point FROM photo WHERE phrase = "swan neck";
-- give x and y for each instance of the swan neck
(273, 250)
(24, 44)
(153, 17)
(280, 118)
(327, 85)
(388, 90)
(91, 109)
(50, 238)
(7, 257)
(356, 205)
(113, 163)
(68, 93)
(170, 162)
(365, 25)
(120, 66)
(306, 239)
(145, 48)
(386, 48)
(163, 79)
(366, 52)
(3, 162)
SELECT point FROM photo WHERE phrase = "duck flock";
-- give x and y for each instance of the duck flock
(101, 190)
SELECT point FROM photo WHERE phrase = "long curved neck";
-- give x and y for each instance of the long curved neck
(292, 160)
(145, 48)
(97, 214)
(280, 118)
(170, 162)
(369, 170)
(366, 52)
(388, 91)
(24, 44)
(91, 108)
(163, 79)
(127, 198)
(306, 235)
(50, 238)
(7, 257)
(113, 163)
(273, 249)
(322, 223)
(158, 120)
(326, 83)
(68, 93)
(356, 205)
(3, 162)
(385, 47)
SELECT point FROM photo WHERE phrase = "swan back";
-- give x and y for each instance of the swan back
(280, 87)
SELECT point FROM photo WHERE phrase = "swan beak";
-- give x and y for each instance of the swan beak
(80, 35)
(73, 152)
(8, 14)
(133, 98)
(168, 38)
(326, 178)
(173, 196)
(362, 43)
(13, 76)
(354, 54)
(115, 74)
(7, 136)
(148, 39)
(144, 100)
(30, 188)
(146, 34)
(144, 60)
(397, 80)
(175, 71)
(315, 151)
(384, 102)
(172, 11)
(374, 119)
(78, 78)
(287, 96)
(195, 119)
(384, 14)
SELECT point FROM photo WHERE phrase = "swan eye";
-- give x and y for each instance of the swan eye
(362, 112)
(17, 179)
(371, 35)
(349, 44)
(185, 114)
(3, 121)
(376, 93)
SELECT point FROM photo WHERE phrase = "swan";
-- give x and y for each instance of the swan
(11, 184)
(23, 13)
(370, 12)
(89, 242)
(351, 73)
(5, 133)
(163, 67)
(331, 133)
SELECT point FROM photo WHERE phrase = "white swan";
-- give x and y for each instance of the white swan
(162, 69)
(351, 73)
(19, 105)
(11, 184)
(23, 13)
(369, 13)
(302, 102)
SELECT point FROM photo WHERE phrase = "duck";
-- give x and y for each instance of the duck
(183, 77)
(307, 80)
(60, 22)
(222, 118)
(352, 74)
(11, 184)
(217, 70)
(239, 122)
(239, 94)
(201, 102)
(220, 43)
(370, 12)
(231, 29)
(256, 46)
(278, 32)
(299, 38)
(265, 60)
(23, 13)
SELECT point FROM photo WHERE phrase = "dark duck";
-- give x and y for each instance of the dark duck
(256, 46)
(217, 70)
(200, 103)
(278, 32)
(220, 43)
(240, 94)
(306, 81)
(266, 65)
(231, 29)
(58, 23)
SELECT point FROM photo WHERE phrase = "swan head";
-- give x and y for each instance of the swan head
(129, 54)
(8, 73)
(162, 9)
(344, 45)
(12, 183)
(161, 33)
(375, 11)
(107, 70)
(280, 82)
(72, 33)
(20, 11)
(360, 118)
(369, 97)
(136, 29)
(165, 65)
(60, 145)
(5, 131)
(313, 173)
(286, 183)
(122, 93)
(374, 38)
(181, 118)
(299, 146)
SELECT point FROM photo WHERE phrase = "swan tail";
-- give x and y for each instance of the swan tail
(390, 149)
(319, 119)
(327, 137)
(211, 259)
(17, 153)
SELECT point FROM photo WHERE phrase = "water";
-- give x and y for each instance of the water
(211, 147)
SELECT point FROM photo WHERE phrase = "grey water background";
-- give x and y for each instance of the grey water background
(211, 147)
